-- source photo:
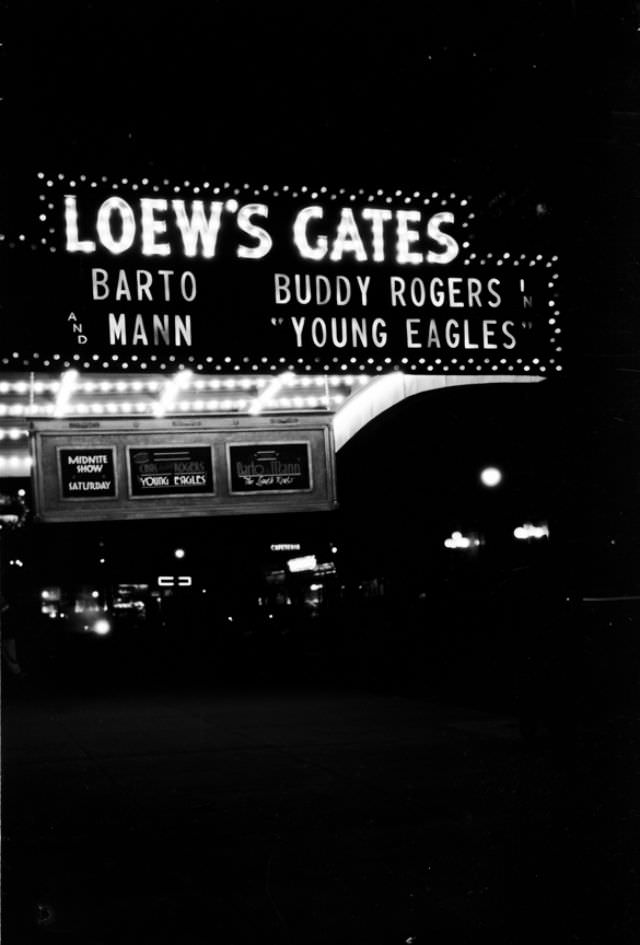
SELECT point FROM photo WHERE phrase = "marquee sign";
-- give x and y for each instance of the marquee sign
(108, 469)
(86, 472)
(122, 274)
(170, 470)
(269, 467)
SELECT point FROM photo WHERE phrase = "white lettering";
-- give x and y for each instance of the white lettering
(322, 281)
(119, 207)
(183, 329)
(166, 273)
(318, 332)
(139, 333)
(451, 248)
(99, 282)
(188, 277)
(256, 232)
(319, 251)
(378, 218)
(506, 330)
(418, 292)
(282, 286)
(151, 227)
(436, 293)
(143, 284)
(397, 287)
(117, 329)
(451, 334)
(496, 295)
(363, 285)
(122, 287)
(379, 333)
(74, 244)
(454, 293)
(348, 238)
(406, 236)
(344, 296)
(298, 325)
(198, 228)
(161, 329)
(412, 330)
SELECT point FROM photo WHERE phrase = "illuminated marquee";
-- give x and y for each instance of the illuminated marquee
(223, 278)
(119, 226)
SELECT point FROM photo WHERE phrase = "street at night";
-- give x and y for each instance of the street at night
(319, 493)
(312, 815)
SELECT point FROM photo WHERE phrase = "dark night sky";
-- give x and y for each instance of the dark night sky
(338, 89)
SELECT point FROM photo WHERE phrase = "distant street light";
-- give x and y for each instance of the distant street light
(528, 531)
(457, 540)
(491, 476)
(462, 542)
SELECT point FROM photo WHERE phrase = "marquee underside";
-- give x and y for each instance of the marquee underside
(352, 401)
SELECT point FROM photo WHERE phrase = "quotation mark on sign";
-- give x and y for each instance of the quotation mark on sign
(527, 325)
(277, 321)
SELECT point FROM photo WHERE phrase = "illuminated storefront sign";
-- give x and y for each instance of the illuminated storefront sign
(304, 563)
(162, 275)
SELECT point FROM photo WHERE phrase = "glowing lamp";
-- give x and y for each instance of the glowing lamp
(491, 476)
(528, 531)
(457, 540)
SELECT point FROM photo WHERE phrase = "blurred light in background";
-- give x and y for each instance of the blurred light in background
(491, 476)
(528, 531)
(461, 542)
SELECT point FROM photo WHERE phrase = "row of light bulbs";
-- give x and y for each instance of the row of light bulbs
(15, 462)
(314, 193)
(123, 407)
(231, 383)
(24, 387)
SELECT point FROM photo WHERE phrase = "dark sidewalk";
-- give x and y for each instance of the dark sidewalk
(309, 817)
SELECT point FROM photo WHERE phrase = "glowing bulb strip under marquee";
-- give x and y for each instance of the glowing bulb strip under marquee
(269, 392)
(374, 396)
(170, 393)
(65, 391)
